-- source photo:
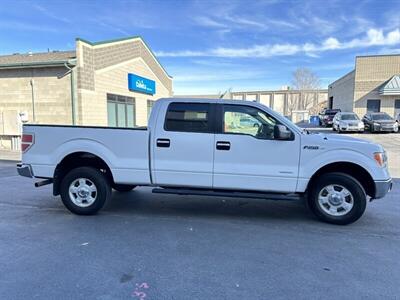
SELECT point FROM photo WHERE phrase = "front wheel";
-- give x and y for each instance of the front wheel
(85, 190)
(337, 198)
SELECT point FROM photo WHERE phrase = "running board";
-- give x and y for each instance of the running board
(227, 193)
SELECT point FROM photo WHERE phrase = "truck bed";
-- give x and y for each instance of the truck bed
(124, 150)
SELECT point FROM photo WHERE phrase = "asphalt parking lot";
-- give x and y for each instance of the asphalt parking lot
(150, 246)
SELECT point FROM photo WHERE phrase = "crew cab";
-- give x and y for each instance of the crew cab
(203, 147)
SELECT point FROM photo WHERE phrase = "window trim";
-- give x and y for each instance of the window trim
(220, 125)
(211, 117)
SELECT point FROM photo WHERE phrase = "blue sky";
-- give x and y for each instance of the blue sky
(210, 46)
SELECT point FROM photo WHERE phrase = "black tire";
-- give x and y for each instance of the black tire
(95, 176)
(346, 181)
(123, 188)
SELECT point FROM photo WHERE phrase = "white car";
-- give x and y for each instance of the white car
(202, 147)
(347, 121)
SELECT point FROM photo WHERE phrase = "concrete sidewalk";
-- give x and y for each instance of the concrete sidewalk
(10, 155)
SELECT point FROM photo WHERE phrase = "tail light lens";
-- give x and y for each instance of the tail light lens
(27, 140)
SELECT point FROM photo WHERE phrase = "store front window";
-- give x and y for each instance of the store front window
(150, 104)
(120, 111)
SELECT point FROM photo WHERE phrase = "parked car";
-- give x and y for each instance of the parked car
(187, 150)
(380, 122)
(347, 121)
(326, 116)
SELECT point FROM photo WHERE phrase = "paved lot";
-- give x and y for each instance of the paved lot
(183, 247)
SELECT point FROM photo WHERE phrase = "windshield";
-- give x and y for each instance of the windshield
(349, 117)
(381, 117)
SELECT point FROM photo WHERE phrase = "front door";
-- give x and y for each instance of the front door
(182, 146)
(247, 156)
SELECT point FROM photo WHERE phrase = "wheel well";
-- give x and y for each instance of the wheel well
(75, 160)
(351, 169)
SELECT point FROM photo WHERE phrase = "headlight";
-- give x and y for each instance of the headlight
(381, 158)
(377, 124)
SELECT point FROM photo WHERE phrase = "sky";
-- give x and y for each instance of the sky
(212, 46)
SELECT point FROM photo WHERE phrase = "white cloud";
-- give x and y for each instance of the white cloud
(373, 37)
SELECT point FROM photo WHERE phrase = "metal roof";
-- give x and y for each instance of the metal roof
(391, 87)
(36, 59)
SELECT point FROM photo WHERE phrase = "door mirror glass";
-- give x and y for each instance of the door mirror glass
(282, 133)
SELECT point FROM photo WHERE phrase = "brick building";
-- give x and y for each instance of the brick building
(105, 83)
(373, 85)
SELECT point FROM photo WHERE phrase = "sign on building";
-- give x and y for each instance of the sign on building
(140, 84)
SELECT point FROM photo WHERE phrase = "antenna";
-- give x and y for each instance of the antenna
(226, 92)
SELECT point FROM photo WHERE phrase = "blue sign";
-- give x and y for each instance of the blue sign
(140, 84)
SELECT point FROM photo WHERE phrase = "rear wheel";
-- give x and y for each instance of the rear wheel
(85, 190)
(123, 187)
(337, 198)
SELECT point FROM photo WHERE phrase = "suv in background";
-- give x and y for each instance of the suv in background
(326, 116)
(347, 121)
(380, 122)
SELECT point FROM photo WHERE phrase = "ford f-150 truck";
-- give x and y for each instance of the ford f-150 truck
(201, 147)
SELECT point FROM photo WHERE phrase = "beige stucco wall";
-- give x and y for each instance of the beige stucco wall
(52, 93)
(104, 69)
(342, 91)
(371, 72)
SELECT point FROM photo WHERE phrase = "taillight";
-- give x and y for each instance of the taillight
(27, 140)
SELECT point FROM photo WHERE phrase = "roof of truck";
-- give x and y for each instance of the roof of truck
(205, 100)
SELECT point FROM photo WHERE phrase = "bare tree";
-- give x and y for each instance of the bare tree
(303, 80)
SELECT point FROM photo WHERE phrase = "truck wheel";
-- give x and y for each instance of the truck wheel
(85, 190)
(337, 198)
(123, 187)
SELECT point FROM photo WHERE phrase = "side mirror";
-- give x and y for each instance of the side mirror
(282, 133)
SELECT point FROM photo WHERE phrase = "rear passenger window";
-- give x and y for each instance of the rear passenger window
(188, 117)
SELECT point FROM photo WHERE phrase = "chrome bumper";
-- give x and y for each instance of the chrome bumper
(24, 170)
(382, 187)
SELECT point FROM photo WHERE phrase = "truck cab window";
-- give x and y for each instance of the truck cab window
(188, 117)
(240, 119)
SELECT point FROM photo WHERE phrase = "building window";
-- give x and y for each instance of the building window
(188, 117)
(373, 105)
(120, 111)
(150, 104)
(397, 108)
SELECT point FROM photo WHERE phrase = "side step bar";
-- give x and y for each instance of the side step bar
(227, 193)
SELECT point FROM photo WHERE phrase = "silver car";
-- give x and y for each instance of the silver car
(347, 121)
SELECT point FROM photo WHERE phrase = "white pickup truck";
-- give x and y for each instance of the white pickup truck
(208, 147)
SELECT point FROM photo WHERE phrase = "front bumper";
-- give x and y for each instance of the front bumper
(382, 187)
(25, 170)
(352, 128)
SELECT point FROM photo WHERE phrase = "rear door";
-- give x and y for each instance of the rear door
(247, 156)
(182, 145)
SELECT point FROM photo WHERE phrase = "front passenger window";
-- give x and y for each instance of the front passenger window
(241, 119)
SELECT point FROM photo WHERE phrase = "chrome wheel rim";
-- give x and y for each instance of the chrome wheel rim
(335, 200)
(82, 192)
